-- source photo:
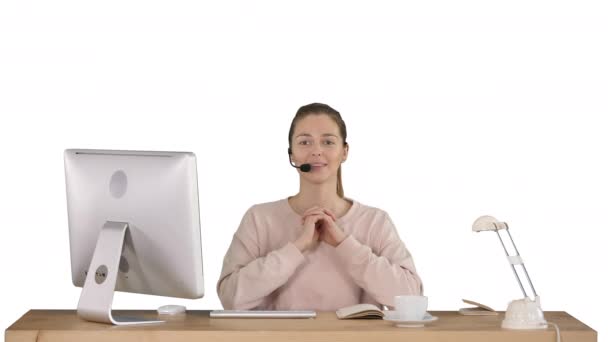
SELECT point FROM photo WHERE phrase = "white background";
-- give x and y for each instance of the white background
(454, 109)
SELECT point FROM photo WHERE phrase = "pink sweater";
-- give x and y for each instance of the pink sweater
(263, 269)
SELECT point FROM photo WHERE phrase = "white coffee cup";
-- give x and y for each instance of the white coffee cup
(411, 308)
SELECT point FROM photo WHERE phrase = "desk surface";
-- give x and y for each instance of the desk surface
(64, 325)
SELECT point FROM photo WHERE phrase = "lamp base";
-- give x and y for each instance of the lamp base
(524, 314)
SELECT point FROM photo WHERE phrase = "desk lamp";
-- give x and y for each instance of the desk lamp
(521, 313)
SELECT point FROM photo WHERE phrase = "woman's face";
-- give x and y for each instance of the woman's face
(317, 141)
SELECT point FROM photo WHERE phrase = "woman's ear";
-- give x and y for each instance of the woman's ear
(345, 152)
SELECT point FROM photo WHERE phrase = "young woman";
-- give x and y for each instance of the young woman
(317, 250)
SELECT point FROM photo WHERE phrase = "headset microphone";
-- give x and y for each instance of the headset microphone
(303, 167)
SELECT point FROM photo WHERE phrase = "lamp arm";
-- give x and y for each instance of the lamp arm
(522, 264)
(516, 260)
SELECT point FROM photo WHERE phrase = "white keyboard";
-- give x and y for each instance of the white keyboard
(263, 314)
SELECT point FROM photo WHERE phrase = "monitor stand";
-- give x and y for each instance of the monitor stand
(95, 302)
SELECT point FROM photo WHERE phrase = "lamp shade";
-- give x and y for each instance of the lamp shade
(487, 222)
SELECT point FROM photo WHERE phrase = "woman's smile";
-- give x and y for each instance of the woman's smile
(318, 166)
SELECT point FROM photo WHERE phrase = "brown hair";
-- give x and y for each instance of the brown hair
(318, 109)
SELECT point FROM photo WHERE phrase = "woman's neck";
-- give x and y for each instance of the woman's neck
(322, 195)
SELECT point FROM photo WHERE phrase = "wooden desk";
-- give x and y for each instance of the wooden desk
(64, 325)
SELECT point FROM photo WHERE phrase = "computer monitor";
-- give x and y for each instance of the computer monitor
(134, 226)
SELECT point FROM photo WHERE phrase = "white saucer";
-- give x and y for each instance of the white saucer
(392, 316)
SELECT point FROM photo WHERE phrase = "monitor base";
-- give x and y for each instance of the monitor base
(95, 302)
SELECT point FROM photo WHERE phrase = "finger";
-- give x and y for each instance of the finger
(327, 223)
(319, 210)
(326, 217)
(313, 218)
(308, 219)
(312, 211)
(309, 225)
(330, 213)
(315, 212)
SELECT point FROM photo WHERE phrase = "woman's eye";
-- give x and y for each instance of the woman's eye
(304, 142)
(329, 142)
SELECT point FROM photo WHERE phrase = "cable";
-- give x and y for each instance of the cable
(556, 331)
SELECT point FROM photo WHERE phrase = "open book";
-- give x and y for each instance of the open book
(360, 311)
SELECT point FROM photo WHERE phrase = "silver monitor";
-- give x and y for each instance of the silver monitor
(134, 226)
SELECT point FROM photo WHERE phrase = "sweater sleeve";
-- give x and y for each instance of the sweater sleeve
(384, 275)
(247, 276)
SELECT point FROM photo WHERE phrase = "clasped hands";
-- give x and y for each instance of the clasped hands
(319, 224)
